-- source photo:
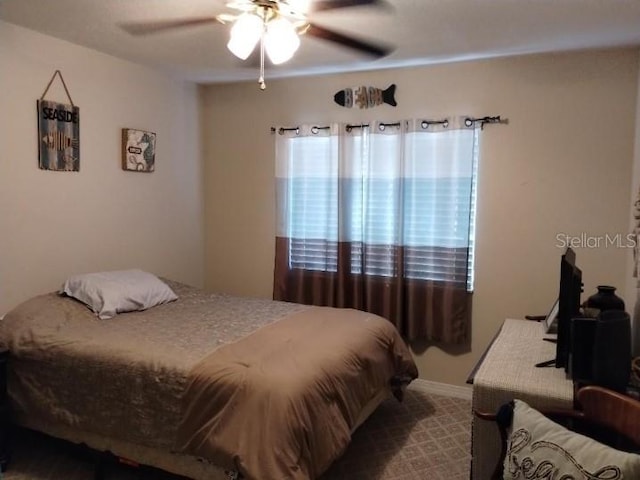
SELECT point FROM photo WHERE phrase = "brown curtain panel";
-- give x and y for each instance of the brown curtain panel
(381, 220)
(420, 309)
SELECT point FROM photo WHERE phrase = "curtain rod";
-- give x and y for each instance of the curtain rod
(468, 121)
(427, 123)
(314, 129)
(350, 127)
(485, 120)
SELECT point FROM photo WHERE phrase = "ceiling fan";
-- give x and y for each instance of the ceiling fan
(274, 25)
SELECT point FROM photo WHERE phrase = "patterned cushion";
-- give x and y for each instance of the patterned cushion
(540, 448)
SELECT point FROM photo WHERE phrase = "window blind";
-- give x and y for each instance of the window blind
(409, 194)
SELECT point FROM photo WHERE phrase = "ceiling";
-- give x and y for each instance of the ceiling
(422, 32)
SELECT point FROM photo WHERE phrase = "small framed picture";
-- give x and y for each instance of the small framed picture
(138, 150)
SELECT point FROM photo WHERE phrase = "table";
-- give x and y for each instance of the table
(508, 371)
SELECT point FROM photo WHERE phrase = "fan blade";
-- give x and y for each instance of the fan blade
(146, 28)
(375, 50)
(321, 5)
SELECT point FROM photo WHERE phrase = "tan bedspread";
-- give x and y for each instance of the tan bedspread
(126, 377)
(281, 403)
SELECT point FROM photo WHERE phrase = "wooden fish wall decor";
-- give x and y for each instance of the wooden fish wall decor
(366, 97)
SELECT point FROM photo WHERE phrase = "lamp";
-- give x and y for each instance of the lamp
(281, 40)
(277, 35)
(245, 34)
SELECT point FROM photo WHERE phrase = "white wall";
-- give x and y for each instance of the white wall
(562, 165)
(632, 291)
(53, 224)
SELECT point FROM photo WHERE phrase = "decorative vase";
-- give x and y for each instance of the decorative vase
(605, 299)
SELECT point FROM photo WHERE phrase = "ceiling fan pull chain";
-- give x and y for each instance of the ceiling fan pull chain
(264, 30)
(261, 79)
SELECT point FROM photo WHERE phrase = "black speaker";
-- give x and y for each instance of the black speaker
(583, 336)
(600, 350)
(612, 350)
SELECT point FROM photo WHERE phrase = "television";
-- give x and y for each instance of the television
(568, 305)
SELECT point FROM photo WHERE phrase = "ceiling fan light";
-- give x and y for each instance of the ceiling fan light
(245, 34)
(281, 40)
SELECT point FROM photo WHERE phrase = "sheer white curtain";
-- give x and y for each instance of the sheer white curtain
(380, 217)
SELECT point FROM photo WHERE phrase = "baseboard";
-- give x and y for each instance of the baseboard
(438, 388)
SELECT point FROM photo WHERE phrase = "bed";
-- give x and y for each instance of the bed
(208, 386)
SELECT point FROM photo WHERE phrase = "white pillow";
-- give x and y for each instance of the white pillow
(109, 293)
(540, 448)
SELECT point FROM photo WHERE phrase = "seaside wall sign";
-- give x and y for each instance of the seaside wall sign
(58, 132)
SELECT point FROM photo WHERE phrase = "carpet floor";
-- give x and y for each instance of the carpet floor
(426, 437)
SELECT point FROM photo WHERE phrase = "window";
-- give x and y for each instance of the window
(381, 219)
(383, 190)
